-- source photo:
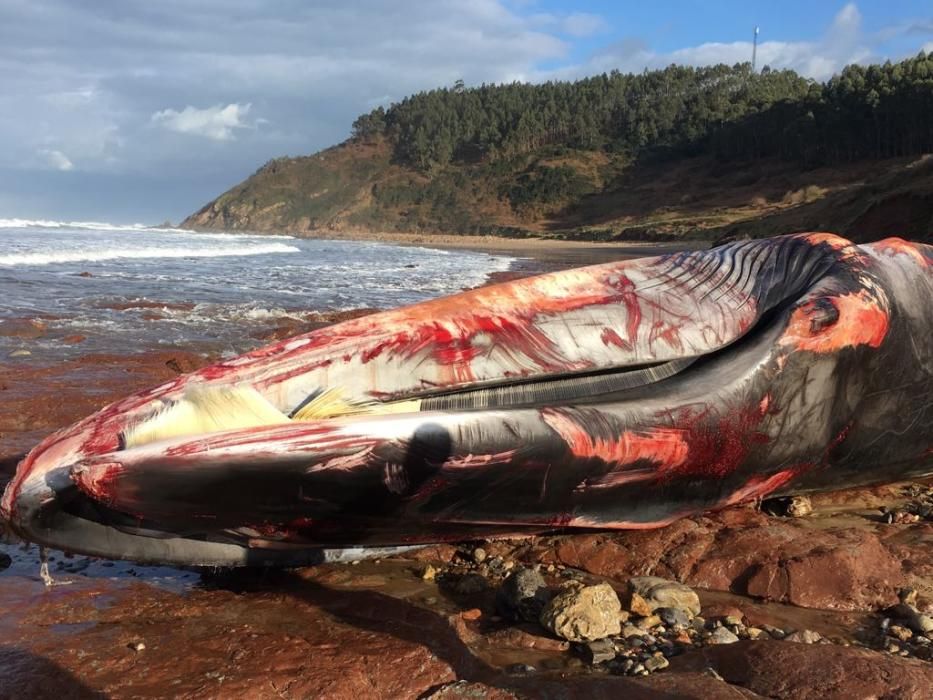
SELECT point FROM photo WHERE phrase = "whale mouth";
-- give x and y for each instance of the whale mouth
(551, 391)
(622, 395)
(207, 411)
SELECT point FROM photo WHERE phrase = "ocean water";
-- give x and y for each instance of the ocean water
(69, 288)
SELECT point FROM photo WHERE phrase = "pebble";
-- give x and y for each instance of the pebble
(662, 593)
(799, 506)
(683, 638)
(598, 651)
(647, 623)
(673, 617)
(920, 623)
(899, 632)
(521, 669)
(774, 632)
(656, 663)
(638, 605)
(803, 637)
(472, 614)
(137, 646)
(428, 573)
(722, 635)
(788, 506)
(496, 565)
(479, 555)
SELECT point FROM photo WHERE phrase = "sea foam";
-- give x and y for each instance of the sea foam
(145, 253)
(107, 227)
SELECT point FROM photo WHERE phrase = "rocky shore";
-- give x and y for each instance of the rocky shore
(667, 613)
(829, 597)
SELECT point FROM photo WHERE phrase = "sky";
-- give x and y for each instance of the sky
(145, 110)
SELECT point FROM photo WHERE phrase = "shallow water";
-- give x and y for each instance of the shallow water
(70, 288)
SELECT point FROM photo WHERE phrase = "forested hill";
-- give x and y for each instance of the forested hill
(679, 151)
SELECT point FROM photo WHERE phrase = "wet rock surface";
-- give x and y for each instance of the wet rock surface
(797, 671)
(854, 563)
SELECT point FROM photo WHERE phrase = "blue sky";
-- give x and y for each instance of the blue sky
(133, 110)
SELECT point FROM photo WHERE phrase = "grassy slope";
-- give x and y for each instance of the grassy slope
(356, 187)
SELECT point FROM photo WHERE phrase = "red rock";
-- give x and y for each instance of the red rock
(743, 551)
(525, 637)
(472, 614)
(721, 611)
(436, 553)
(25, 328)
(802, 671)
(469, 691)
(858, 572)
(637, 605)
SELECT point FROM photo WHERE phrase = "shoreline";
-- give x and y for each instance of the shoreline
(531, 256)
(447, 241)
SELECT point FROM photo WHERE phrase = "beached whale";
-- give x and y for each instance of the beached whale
(622, 395)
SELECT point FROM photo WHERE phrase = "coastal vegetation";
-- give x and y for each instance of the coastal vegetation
(742, 152)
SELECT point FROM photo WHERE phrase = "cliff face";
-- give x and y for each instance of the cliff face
(298, 194)
(586, 195)
(357, 187)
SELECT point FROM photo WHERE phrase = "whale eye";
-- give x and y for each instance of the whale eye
(822, 313)
(827, 324)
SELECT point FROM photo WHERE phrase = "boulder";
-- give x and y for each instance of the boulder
(652, 593)
(581, 613)
(800, 671)
(522, 596)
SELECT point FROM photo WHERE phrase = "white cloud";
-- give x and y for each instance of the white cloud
(575, 24)
(580, 24)
(111, 84)
(56, 159)
(217, 122)
(842, 43)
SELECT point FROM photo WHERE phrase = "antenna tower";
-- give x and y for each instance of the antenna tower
(755, 49)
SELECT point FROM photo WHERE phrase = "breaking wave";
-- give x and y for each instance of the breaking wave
(90, 225)
(102, 226)
(50, 258)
